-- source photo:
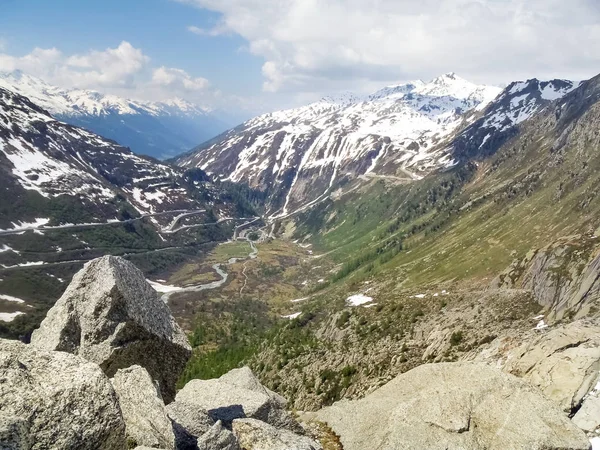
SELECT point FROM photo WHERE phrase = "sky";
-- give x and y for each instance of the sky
(254, 56)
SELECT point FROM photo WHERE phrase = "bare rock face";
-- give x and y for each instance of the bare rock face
(564, 276)
(14, 433)
(56, 400)
(563, 362)
(588, 416)
(253, 434)
(146, 421)
(110, 315)
(237, 395)
(218, 438)
(453, 405)
(190, 422)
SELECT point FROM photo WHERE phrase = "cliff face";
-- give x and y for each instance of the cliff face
(564, 277)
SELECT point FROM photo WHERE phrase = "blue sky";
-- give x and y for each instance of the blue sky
(158, 27)
(259, 55)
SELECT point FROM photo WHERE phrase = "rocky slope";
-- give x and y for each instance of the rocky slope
(157, 129)
(430, 260)
(61, 400)
(471, 405)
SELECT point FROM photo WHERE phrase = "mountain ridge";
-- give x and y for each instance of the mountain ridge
(159, 129)
(300, 156)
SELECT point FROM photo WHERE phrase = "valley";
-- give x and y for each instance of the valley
(329, 280)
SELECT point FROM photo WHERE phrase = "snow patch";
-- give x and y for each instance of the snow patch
(163, 288)
(292, 316)
(9, 298)
(9, 317)
(358, 299)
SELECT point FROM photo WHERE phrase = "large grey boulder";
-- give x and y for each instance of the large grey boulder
(14, 433)
(218, 438)
(253, 434)
(237, 395)
(190, 422)
(588, 416)
(110, 315)
(563, 362)
(465, 406)
(146, 421)
(56, 400)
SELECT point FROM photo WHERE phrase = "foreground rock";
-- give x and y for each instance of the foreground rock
(56, 400)
(218, 438)
(190, 422)
(146, 421)
(14, 433)
(237, 395)
(453, 405)
(253, 434)
(110, 315)
(563, 362)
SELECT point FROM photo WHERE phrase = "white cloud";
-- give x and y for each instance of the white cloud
(165, 76)
(217, 30)
(124, 70)
(324, 44)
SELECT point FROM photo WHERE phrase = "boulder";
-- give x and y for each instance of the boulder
(588, 416)
(453, 405)
(218, 438)
(238, 395)
(190, 422)
(14, 433)
(146, 421)
(253, 434)
(56, 400)
(563, 362)
(110, 315)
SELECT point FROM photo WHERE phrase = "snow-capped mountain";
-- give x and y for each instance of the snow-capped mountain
(45, 163)
(500, 120)
(157, 129)
(301, 155)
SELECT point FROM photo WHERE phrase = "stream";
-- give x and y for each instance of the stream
(168, 291)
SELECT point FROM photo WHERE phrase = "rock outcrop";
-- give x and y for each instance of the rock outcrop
(218, 438)
(110, 315)
(190, 422)
(146, 421)
(253, 434)
(563, 362)
(14, 433)
(237, 395)
(56, 400)
(453, 405)
(588, 416)
(564, 277)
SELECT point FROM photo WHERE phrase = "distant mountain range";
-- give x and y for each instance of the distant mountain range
(301, 156)
(161, 130)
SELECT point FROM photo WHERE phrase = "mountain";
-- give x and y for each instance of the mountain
(69, 195)
(404, 132)
(156, 129)
(500, 120)
(480, 260)
(298, 156)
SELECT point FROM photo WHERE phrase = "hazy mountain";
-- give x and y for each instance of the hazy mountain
(161, 130)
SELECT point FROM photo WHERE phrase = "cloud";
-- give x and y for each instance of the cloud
(217, 30)
(165, 76)
(320, 44)
(124, 70)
